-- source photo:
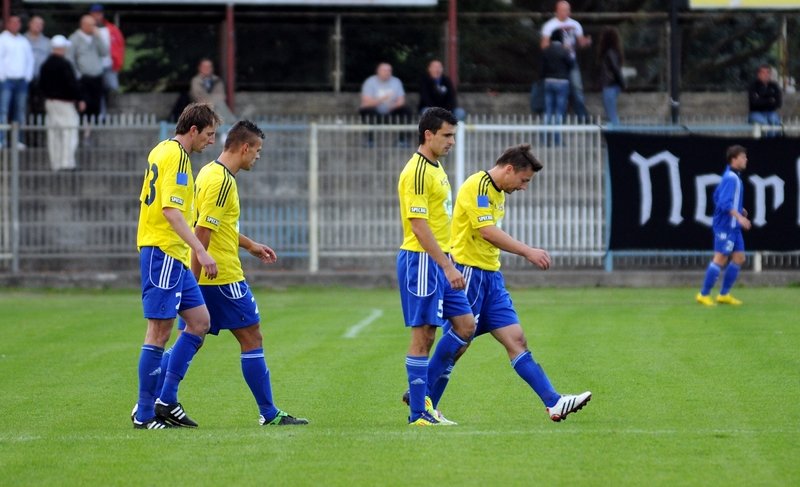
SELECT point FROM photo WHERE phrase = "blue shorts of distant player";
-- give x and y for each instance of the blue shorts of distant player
(230, 306)
(167, 285)
(727, 241)
(426, 296)
(488, 298)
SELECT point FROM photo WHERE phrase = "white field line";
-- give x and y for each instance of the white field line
(354, 330)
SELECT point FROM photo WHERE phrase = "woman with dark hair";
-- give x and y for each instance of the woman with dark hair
(611, 79)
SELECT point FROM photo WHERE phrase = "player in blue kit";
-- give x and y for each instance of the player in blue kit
(730, 218)
(431, 288)
(476, 241)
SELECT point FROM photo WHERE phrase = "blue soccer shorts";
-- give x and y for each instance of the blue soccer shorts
(426, 295)
(167, 285)
(488, 298)
(728, 241)
(230, 306)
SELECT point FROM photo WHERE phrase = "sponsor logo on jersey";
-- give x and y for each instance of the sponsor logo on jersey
(485, 218)
(212, 220)
(419, 210)
(176, 199)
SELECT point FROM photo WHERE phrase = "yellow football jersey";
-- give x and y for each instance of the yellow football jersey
(479, 204)
(168, 182)
(424, 192)
(217, 200)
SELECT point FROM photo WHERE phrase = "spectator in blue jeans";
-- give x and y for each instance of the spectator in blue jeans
(556, 65)
(16, 72)
(611, 79)
(765, 98)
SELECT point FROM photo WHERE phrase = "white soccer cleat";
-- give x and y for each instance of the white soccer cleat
(568, 404)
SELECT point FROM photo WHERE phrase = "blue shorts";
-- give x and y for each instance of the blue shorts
(490, 302)
(167, 285)
(728, 241)
(425, 293)
(230, 306)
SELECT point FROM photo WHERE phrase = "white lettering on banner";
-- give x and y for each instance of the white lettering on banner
(761, 184)
(701, 183)
(645, 183)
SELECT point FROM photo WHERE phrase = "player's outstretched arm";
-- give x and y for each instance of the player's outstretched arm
(260, 251)
(428, 242)
(177, 222)
(503, 241)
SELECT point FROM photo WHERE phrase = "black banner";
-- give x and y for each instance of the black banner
(662, 191)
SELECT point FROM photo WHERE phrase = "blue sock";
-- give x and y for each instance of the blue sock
(712, 273)
(438, 387)
(417, 370)
(532, 373)
(444, 355)
(731, 273)
(182, 354)
(163, 370)
(256, 374)
(149, 361)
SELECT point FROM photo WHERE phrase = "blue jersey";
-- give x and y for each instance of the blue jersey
(728, 195)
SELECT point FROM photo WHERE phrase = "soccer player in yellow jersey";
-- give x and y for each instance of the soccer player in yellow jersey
(165, 239)
(230, 302)
(431, 288)
(476, 242)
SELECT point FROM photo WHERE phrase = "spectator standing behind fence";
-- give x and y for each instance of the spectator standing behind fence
(86, 53)
(61, 91)
(437, 90)
(556, 66)
(765, 98)
(207, 87)
(114, 59)
(611, 59)
(16, 72)
(40, 45)
(573, 39)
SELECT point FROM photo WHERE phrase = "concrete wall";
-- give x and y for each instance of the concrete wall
(640, 105)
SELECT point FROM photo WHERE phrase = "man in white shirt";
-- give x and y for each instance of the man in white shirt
(16, 72)
(573, 39)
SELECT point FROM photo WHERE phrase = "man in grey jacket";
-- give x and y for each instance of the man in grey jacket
(86, 53)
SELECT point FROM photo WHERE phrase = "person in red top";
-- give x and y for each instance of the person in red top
(113, 62)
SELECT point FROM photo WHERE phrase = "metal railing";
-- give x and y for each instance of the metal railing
(323, 193)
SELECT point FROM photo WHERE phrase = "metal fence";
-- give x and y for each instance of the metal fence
(323, 193)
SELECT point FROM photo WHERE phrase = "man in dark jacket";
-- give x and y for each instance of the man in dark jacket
(765, 98)
(437, 90)
(62, 93)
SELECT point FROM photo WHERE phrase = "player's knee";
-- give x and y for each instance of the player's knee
(198, 327)
(465, 328)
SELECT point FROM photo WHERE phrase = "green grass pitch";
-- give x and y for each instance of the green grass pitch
(683, 395)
